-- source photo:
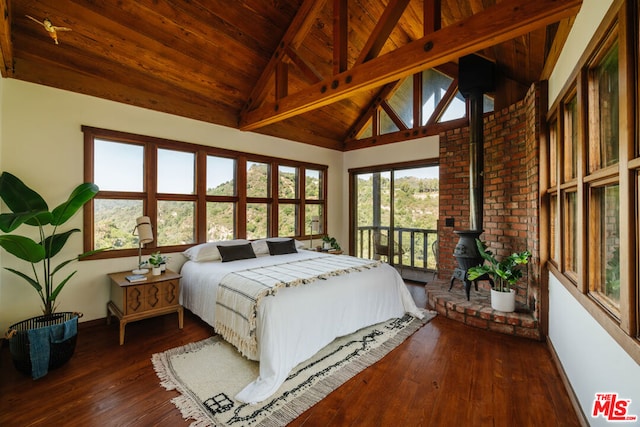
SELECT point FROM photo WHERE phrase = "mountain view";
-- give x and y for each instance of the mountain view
(416, 207)
(115, 218)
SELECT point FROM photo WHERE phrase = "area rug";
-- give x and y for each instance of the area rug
(209, 373)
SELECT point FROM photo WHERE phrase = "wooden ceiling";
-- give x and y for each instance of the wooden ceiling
(305, 70)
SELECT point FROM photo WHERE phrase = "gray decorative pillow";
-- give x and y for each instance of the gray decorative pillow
(236, 252)
(282, 247)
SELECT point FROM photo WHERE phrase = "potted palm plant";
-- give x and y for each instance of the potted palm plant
(28, 208)
(505, 275)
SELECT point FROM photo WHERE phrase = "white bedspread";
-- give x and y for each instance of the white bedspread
(299, 321)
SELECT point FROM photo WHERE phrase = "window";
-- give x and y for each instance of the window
(288, 200)
(426, 103)
(604, 282)
(554, 218)
(570, 246)
(571, 125)
(221, 198)
(191, 193)
(604, 110)
(594, 174)
(604, 193)
(176, 210)
(553, 232)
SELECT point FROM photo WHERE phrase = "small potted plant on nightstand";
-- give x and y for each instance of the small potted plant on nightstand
(156, 260)
(330, 243)
(505, 275)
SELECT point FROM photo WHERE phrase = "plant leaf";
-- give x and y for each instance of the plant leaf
(474, 272)
(78, 197)
(32, 282)
(54, 243)
(55, 293)
(11, 221)
(23, 248)
(18, 197)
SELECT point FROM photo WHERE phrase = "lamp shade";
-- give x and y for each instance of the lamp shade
(315, 224)
(145, 233)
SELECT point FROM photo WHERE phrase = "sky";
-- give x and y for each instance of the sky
(176, 169)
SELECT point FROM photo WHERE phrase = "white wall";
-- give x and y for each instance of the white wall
(592, 360)
(584, 26)
(41, 142)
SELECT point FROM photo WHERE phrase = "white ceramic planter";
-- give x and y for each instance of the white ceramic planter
(156, 271)
(503, 301)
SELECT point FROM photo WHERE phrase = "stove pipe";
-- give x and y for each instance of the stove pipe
(476, 160)
(476, 76)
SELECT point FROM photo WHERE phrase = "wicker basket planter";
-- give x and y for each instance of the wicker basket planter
(59, 352)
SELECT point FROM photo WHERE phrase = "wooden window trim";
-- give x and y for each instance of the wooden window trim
(200, 198)
(621, 19)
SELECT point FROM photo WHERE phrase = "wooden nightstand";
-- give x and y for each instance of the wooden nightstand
(155, 296)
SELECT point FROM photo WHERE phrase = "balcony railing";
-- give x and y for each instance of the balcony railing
(414, 248)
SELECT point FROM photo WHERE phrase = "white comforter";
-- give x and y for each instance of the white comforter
(299, 321)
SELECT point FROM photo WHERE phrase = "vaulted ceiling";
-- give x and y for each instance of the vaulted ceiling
(305, 70)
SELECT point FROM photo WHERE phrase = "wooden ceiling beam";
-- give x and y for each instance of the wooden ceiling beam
(499, 23)
(383, 29)
(442, 106)
(395, 118)
(556, 47)
(6, 47)
(432, 16)
(293, 37)
(340, 35)
(308, 71)
(364, 118)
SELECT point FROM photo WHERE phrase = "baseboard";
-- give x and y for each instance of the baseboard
(90, 323)
(567, 385)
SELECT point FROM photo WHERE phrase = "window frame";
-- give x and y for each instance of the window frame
(200, 196)
(623, 327)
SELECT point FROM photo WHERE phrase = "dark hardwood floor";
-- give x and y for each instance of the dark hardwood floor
(446, 374)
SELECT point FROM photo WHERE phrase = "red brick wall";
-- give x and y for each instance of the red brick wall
(511, 139)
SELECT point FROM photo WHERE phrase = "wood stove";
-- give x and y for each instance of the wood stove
(476, 77)
(467, 254)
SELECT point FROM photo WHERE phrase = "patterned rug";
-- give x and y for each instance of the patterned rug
(209, 373)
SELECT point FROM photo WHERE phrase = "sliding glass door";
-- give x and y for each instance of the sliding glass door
(395, 214)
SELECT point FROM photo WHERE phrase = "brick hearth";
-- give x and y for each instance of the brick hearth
(477, 312)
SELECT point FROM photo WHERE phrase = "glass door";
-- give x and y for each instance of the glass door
(395, 215)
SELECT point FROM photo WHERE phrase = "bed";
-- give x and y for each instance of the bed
(303, 309)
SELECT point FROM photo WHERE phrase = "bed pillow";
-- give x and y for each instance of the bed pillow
(236, 252)
(282, 247)
(209, 251)
(260, 246)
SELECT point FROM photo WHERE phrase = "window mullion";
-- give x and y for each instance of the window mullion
(150, 208)
(581, 165)
(628, 293)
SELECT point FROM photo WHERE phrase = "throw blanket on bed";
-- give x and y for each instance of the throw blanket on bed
(240, 292)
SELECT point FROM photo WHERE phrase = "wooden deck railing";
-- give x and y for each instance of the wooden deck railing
(415, 248)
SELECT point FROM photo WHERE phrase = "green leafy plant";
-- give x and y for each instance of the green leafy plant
(505, 273)
(156, 259)
(333, 242)
(29, 208)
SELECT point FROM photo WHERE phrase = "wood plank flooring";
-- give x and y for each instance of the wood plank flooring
(446, 374)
